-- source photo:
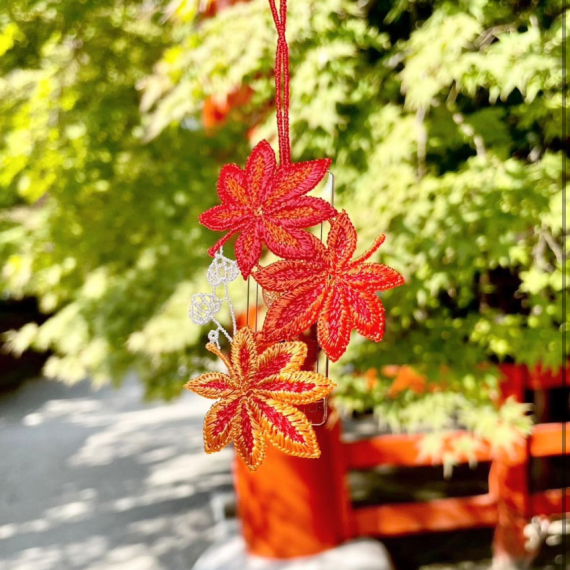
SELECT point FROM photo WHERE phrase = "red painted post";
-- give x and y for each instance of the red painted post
(292, 506)
(509, 484)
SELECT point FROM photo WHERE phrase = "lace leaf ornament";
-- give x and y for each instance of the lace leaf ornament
(266, 204)
(257, 398)
(333, 290)
(205, 306)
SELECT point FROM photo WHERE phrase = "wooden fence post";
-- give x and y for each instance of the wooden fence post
(509, 484)
(295, 507)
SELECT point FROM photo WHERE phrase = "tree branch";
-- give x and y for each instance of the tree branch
(469, 131)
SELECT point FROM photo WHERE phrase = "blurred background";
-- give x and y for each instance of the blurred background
(446, 126)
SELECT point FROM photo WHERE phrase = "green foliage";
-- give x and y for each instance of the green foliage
(100, 225)
(443, 120)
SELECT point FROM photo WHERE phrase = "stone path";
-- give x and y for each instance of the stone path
(97, 480)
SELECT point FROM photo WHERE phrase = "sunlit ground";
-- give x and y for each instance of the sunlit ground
(98, 481)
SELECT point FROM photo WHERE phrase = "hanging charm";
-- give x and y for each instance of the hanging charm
(266, 205)
(333, 290)
(205, 306)
(257, 399)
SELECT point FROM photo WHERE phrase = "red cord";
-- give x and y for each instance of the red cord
(282, 80)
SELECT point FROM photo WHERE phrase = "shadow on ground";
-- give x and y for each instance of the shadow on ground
(95, 480)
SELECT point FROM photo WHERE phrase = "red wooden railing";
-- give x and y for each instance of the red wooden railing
(294, 507)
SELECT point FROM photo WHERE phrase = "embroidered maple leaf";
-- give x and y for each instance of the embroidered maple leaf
(256, 399)
(333, 290)
(266, 204)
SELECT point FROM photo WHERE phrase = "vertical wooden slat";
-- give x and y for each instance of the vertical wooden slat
(294, 507)
(509, 485)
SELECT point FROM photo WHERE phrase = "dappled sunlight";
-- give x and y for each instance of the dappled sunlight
(76, 555)
(68, 512)
(136, 557)
(105, 481)
(9, 530)
(151, 496)
(157, 455)
(35, 559)
(179, 469)
(130, 435)
(73, 410)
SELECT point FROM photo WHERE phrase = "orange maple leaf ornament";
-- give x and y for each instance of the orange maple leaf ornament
(332, 289)
(257, 397)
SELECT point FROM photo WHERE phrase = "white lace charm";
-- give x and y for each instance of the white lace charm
(205, 306)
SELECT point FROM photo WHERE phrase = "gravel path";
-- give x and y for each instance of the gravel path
(96, 480)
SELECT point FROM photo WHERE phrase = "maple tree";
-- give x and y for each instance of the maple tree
(444, 122)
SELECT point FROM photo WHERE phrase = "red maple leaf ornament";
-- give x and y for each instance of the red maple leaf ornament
(257, 399)
(333, 290)
(266, 204)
